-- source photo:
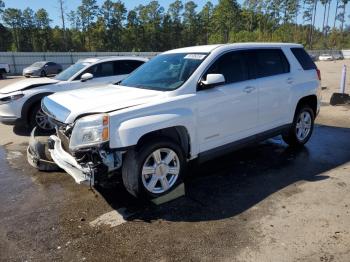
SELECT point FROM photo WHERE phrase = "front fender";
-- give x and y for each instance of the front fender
(128, 132)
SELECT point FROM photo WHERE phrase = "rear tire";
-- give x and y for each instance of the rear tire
(155, 169)
(302, 127)
(43, 73)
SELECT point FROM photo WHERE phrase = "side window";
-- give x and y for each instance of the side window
(303, 58)
(125, 67)
(232, 65)
(92, 70)
(271, 62)
(104, 69)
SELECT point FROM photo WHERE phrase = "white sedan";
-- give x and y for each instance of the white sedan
(326, 57)
(20, 101)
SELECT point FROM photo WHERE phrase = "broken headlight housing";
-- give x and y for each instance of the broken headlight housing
(90, 131)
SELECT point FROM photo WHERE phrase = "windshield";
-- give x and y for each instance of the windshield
(165, 72)
(38, 64)
(71, 71)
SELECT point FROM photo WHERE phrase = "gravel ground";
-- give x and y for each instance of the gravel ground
(263, 203)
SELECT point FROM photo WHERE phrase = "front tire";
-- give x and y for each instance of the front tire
(43, 73)
(302, 127)
(37, 118)
(155, 169)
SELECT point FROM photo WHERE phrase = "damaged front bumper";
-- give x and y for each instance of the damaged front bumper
(48, 154)
(68, 163)
(38, 155)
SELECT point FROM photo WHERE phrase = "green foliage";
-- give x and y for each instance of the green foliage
(149, 27)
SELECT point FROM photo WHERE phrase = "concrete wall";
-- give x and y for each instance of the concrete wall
(20, 60)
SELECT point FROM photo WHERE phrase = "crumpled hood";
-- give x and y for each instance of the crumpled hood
(67, 106)
(27, 84)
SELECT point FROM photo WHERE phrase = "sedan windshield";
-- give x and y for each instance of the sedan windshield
(71, 71)
(165, 72)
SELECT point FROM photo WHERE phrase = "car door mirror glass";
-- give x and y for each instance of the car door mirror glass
(86, 76)
(212, 81)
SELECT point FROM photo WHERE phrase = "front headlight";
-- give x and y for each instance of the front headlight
(10, 98)
(90, 131)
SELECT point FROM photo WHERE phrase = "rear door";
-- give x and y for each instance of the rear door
(52, 68)
(275, 83)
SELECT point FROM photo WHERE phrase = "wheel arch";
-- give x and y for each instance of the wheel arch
(310, 100)
(178, 134)
(30, 103)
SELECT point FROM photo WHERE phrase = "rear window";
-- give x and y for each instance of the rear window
(303, 58)
(271, 62)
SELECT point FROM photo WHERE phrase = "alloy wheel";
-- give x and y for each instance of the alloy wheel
(303, 126)
(42, 121)
(160, 170)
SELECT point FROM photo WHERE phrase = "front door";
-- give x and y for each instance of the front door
(228, 112)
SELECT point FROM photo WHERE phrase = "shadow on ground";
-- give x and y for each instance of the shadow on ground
(21, 130)
(227, 186)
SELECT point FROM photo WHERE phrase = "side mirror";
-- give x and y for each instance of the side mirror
(212, 80)
(86, 77)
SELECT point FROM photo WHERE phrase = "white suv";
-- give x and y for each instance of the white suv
(20, 101)
(185, 104)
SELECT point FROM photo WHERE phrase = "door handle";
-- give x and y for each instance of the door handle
(290, 80)
(248, 89)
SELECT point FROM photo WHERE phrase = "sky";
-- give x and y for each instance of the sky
(52, 7)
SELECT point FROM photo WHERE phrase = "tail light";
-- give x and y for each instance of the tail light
(318, 73)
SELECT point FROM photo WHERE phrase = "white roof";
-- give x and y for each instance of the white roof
(112, 58)
(210, 48)
(194, 49)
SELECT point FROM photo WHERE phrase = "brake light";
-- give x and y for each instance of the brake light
(318, 73)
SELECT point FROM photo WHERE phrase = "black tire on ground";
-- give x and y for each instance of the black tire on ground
(2, 74)
(291, 137)
(43, 73)
(134, 160)
(32, 120)
(26, 76)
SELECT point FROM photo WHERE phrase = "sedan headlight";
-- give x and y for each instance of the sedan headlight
(90, 131)
(10, 98)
